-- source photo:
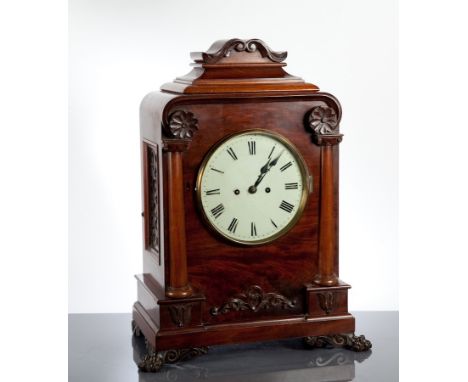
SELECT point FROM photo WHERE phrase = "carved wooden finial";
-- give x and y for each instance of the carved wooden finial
(226, 50)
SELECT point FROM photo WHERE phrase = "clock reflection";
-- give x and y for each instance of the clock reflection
(267, 361)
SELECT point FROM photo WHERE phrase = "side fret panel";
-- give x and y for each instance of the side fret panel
(152, 226)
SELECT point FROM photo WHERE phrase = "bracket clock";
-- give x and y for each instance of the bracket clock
(240, 209)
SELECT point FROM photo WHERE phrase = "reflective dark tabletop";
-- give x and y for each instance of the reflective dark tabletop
(102, 348)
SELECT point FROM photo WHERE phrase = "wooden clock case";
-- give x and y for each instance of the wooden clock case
(199, 290)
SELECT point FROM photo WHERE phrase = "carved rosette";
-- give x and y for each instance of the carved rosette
(347, 341)
(153, 182)
(324, 123)
(323, 120)
(153, 361)
(182, 124)
(326, 301)
(181, 314)
(255, 300)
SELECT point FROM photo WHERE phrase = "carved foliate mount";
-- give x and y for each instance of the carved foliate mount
(348, 341)
(255, 300)
(324, 123)
(153, 361)
(326, 301)
(181, 314)
(181, 125)
(223, 48)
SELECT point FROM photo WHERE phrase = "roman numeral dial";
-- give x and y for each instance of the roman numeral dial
(217, 211)
(252, 187)
(252, 148)
(232, 153)
(216, 191)
(291, 186)
(285, 206)
(233, 226)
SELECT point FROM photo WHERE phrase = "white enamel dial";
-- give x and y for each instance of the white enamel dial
(252, 187)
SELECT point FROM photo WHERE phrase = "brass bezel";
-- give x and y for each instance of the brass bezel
(305, 186)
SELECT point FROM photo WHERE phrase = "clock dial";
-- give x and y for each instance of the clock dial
(252, 187)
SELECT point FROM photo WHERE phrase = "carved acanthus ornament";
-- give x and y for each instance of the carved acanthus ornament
(181, 314)
(326, 301)
(255, 300)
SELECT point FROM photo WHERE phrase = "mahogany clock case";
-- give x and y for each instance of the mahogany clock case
(198, 289)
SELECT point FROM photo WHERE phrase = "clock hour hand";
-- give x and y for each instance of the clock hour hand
(263, 171)
(275, 161)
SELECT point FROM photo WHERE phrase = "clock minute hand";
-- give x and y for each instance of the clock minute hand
(275, 161)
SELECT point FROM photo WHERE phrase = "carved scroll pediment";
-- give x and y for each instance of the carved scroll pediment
(222, 49)
(238, 66)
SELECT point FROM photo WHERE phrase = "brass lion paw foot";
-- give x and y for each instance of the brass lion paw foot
(347, 341)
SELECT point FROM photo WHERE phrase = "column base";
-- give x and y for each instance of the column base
(326, 280)
(181, 292)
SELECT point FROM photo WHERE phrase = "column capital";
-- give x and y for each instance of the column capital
(324, 123)
(327, 139)
(175, 145)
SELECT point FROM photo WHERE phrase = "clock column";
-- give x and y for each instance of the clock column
(178, 285)
(324, 122)
(178, 129)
